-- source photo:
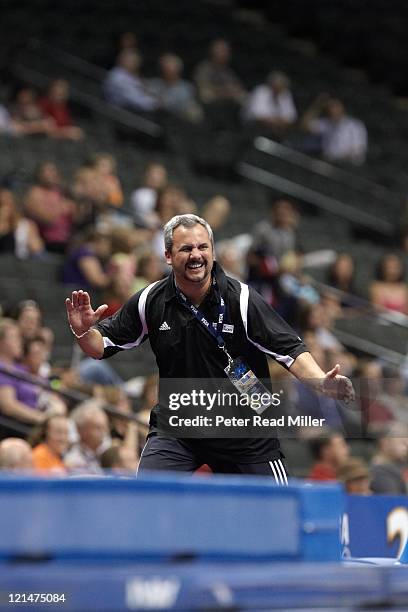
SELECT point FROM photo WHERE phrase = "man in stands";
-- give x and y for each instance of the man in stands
(124, 86)
(175, 313)
(330, 452)
(15, 454)
(92, 426)
(271, 105)
(340, 137)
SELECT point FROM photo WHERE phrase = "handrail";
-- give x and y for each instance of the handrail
(332, 205)
(77, 396)
(367, 346)
(120, 115)
(69, 60)
(396, 318)
(323, 168)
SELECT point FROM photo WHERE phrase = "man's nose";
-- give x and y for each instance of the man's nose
(195, 253)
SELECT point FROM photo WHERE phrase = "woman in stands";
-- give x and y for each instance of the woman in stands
(48, 204)
(18, 235)
(390, 291)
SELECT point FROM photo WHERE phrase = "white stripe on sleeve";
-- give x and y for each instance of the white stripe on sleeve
(243, 304)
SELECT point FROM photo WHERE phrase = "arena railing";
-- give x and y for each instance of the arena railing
(70, 395)
(321, 201)
(323, 168)
(364, 307)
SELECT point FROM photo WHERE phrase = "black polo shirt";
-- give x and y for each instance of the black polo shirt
(185, 349)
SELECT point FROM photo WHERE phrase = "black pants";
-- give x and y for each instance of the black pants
(173, 455)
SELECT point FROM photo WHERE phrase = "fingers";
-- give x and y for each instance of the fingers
(333, 373)
(99, 311)
(79, 298)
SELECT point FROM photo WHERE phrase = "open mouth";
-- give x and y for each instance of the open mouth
(195, 266)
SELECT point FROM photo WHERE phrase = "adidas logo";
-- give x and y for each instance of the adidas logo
(164, 326)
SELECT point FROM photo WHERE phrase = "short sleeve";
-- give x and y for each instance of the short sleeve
(269, 332)
(125, 329)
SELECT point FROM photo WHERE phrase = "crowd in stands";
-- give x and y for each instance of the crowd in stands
(112, 244)
(215, 88)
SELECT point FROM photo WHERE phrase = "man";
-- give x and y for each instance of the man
(93, 430)
(330, 452)
(387, 466)
(339, 136)
(166, 312)
(271, 104)
(125, 88)
(15, 454)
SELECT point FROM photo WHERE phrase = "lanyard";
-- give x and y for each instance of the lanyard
(216, 333)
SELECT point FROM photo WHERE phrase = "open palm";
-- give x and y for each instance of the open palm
(81, 315)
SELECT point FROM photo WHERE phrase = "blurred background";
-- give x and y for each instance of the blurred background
(284, 127)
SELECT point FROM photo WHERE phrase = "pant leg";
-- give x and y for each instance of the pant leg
(167, 454)
(276, 469)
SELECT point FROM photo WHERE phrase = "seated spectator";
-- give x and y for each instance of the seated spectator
(216, 81)
(48, 205)
(393, 395)
(27, 116)
(374, 411)
(330, 451)
(15, 454)
(7, 125)
(389, 290)
(271, 105)
(355, 476)
(119, 290)
(176, 95)
(340, 137)
(125, 87)
(104, 166)
(50, 443)
(144, 199)
(341, 274)
(127, 40)
(18, 399)
(149, 270)
(276, 235)
(85, 263)
(317, 319)
(34, 362)
(172, 200)
(231, 260)
(18, 235)
(119, 458)
(216, 212)
(28, 317)
(93, 430)
(55, 106)
(389, 461)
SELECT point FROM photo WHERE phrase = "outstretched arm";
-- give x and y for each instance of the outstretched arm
(81, 318)
(330, 383)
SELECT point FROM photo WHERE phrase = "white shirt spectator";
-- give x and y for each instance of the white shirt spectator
(343, 139)
(264, 104)
(143, 202)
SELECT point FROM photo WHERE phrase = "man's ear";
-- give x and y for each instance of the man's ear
(167, 255)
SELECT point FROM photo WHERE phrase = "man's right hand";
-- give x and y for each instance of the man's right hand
(80, 313)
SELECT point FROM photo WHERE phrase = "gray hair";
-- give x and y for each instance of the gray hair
(86, 410)
(188, 220)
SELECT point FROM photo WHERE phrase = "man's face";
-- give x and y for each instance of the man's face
(94, 430)
(191, 256)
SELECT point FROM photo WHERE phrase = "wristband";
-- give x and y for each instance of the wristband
(79, 335)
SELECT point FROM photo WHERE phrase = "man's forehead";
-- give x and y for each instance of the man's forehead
(189, 235)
